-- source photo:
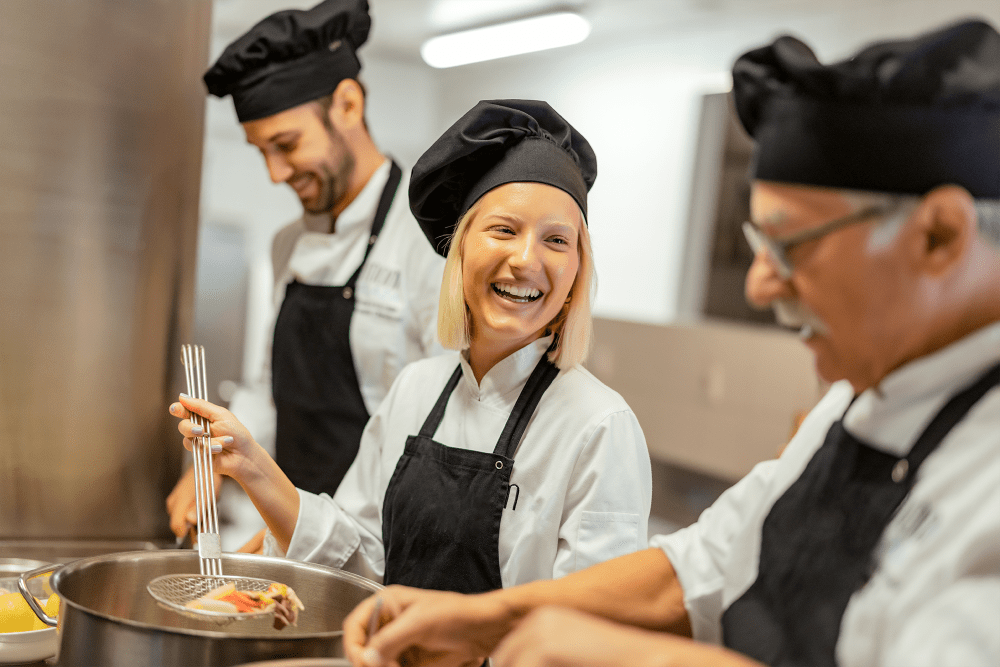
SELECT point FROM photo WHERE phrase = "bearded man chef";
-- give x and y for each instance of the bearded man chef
(875, 538)
(355, 281)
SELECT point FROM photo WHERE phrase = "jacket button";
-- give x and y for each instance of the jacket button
(899, 470)
(348, 292)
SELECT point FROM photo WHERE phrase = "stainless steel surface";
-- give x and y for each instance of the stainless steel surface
(24, 586)
(107, 618)
(100, 165)
(68, 550)
(30, 645)
(10, 568)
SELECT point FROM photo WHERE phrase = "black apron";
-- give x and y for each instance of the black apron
(819, 538)
(442, 509)
(320, 411)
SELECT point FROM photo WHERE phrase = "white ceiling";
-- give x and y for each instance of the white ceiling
(399, 26)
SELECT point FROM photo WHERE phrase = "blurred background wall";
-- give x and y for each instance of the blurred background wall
(134, 217)
(101, 134)
(715, 385)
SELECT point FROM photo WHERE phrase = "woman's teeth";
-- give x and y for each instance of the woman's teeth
(517, 294)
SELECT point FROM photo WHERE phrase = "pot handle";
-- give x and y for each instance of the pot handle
(22, 585)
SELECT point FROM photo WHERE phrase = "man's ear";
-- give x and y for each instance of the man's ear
(945, 225)
(348, 109)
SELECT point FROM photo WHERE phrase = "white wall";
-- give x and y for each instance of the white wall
(643, 135)
(636, 101)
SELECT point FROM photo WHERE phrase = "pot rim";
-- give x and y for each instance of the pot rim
(69, 568)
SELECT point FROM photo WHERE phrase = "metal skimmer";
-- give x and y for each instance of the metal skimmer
(209, 540)
(176, 590)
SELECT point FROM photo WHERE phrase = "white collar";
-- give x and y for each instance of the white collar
(894, 414)
(360, 212)
(508, 375)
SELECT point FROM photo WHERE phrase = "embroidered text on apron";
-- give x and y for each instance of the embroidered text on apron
(321, 412)
(442, 509)
(818, 541)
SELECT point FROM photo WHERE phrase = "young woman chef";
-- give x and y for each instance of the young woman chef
(506, 461)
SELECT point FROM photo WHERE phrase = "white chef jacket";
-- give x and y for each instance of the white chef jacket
(582, 469)
(396, 295)
(934, 599)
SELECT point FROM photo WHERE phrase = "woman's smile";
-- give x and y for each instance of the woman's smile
(520, 262)
(516, 294)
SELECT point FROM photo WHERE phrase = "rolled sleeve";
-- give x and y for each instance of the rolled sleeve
(717, 549)
(323, 534)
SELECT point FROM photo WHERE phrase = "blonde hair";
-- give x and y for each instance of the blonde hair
(572, 325)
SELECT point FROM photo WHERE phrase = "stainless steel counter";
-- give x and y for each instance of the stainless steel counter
(68, 550)
(65, 551)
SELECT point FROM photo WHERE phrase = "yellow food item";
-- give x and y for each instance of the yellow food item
(15, 614)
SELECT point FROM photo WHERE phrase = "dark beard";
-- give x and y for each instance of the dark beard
(333, 181)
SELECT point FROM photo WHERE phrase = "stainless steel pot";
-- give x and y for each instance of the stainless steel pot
(107, 618)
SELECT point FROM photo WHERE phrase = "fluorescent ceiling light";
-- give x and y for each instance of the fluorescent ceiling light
(505, 39)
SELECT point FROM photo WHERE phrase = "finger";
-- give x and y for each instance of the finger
(181, 521)
(178, 526)
(511, 652)
(393, 639)
(218, 444)
(188, 428)
(178, 410)
(208, 410)
(356, 630)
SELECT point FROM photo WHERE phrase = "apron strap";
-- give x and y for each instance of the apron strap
(384, 202)
(435, 416)
(543, 375)
(952, 413)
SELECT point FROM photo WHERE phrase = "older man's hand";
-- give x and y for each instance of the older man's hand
(558, 637)
(424, 628)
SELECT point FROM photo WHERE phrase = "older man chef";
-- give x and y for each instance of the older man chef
(356, 282)
(875, 538)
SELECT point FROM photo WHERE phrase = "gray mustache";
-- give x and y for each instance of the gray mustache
(794, 315)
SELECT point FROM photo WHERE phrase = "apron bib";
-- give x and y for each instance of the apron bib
(442, 509)
(320, 410)
(818, 540)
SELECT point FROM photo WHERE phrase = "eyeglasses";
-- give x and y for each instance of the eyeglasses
(778, 249)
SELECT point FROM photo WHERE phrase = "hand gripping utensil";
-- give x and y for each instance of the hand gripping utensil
(176, 590)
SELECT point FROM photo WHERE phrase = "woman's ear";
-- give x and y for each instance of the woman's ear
(945, 224)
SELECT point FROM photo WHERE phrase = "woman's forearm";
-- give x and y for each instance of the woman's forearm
(272, 493)
(639, 589)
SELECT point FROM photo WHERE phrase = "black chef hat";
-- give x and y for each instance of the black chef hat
(291, 57)
(900, 116)
(497, 142)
